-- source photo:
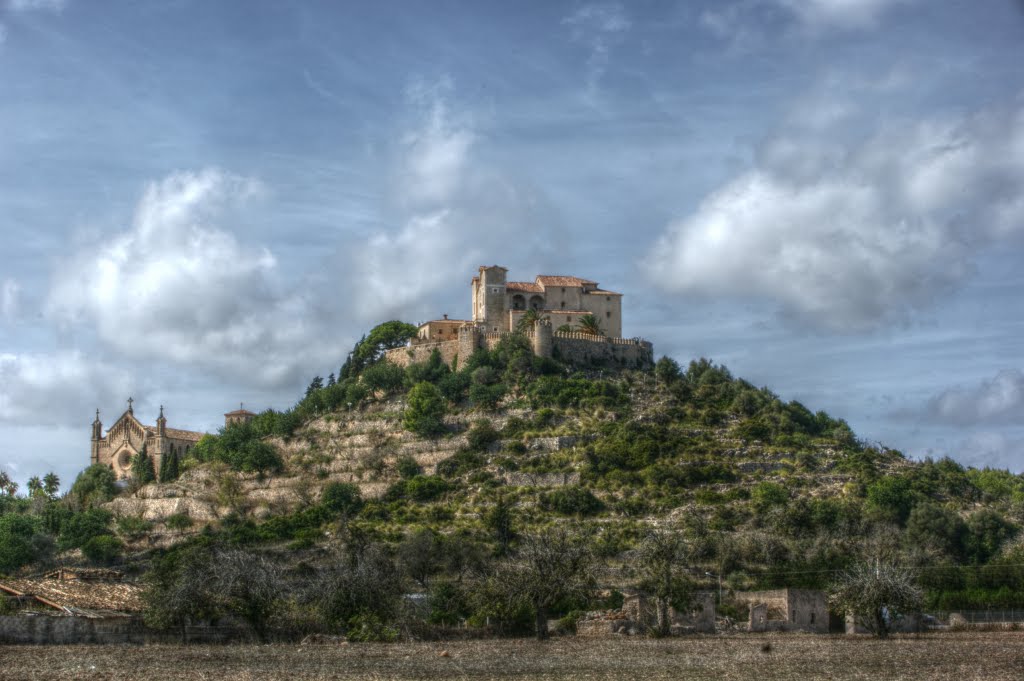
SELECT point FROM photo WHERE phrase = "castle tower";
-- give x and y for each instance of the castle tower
(490, 307)
(543, 338)
(469, 341)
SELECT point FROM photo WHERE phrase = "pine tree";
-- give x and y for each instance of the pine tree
(331, 380)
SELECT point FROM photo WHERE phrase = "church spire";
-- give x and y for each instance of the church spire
(130, 410)
(97, 427)
(161, 423)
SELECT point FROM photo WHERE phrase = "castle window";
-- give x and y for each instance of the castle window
(563, 289)
(608, 299)
(563, 304)
(608, 314)
(812, 618)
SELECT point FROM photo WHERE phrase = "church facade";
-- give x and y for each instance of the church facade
(128, 435)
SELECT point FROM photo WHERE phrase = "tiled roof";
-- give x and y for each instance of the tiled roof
(551, 280)
(524, 286)
(240, 412)
(73, 595)
(176, 434)
(602, 292)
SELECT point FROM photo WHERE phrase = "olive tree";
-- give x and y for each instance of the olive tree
(663, 555)
(550, 566)
(877, 594)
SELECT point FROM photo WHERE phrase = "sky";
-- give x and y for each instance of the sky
(204, 204)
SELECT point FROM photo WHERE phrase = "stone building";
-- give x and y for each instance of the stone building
(560, 302)
(127, 437)
(499, 304)
(786, 610)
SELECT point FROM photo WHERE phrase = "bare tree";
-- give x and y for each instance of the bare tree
(550, 566)
(249, 585)
(663, 555)
(877, 594)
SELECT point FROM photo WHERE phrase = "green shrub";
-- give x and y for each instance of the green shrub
(104, 548)
(95, 485)
(178, 521)
(369, 628)
(341, 498)
(18, 545)
(407, 467)
(571, 501)
(482, 435)
(420, 488)
(426, 410)
(81, 527)
(383, 376)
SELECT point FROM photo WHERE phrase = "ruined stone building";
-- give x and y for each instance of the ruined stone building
(559, 303)
(786, 610)
(128, 436)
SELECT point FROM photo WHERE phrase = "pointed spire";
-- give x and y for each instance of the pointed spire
(161, 411)
(130, 410)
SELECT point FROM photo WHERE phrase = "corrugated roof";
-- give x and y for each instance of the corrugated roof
(77, 596)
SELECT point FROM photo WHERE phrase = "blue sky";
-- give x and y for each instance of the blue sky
(206, 203)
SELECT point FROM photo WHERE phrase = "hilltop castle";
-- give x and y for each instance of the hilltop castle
(128, 436)
(559, 306)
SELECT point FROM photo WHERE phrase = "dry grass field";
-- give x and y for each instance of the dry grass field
(953, 656)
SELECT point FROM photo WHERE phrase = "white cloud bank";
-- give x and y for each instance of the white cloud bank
(999, 399)
(179, 286)
(849, 234)
(451, 213)
(51, 389)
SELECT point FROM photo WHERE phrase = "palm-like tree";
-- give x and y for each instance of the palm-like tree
(590, 324)
(7, 486)
(526, 322)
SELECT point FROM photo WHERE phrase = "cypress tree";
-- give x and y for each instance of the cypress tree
(142, 468)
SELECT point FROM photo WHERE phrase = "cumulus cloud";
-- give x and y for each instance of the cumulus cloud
(51, 389)
(598, 27)
(179, 286)
(849, 233)
(999, 399)
(451, 212)
(9, 293)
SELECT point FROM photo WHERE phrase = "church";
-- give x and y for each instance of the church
(128, 436)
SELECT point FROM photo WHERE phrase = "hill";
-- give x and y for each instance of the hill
(444, 472)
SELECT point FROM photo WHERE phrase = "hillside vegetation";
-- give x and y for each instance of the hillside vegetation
(386, 481)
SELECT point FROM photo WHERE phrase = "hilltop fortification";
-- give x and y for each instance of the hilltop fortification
(565, 317)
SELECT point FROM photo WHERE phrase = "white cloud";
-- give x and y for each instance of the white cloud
(996, 400)
(452, 213)
(51, 389)
(599, 27)
(991, 449)
(179, 286)
(747, 24)
(848, 234)
(847, 14)
(9, 292)
(37, 5)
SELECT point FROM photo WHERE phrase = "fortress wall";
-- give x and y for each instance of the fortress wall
(414, 354)
(581, 348)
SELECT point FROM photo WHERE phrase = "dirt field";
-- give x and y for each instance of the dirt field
(953, 656)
